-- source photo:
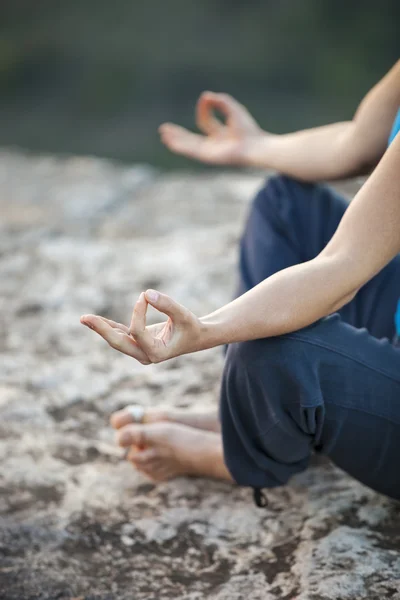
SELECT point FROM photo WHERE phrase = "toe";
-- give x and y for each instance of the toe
(132, 435)
(123, 417)
(120, 418)
(144, 457)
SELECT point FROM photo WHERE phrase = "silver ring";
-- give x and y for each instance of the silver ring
(136, 411)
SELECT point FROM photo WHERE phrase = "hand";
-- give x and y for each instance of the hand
(180, 334)
(222, 143)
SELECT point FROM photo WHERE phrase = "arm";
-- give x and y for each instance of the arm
(330, 152)
(341, 149)
(367, 238)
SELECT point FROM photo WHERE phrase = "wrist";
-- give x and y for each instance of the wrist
(211, 332)
(259, 149)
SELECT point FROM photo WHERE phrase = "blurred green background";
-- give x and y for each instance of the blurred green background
(98, 77)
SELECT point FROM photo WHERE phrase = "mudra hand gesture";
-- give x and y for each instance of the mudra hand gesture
(231, 142)
(234, 141)
(180, 334)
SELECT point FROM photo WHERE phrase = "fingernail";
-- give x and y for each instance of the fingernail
(152, 295)
(84, 319)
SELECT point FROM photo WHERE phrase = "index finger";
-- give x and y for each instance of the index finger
(205, 119)
(138, 324)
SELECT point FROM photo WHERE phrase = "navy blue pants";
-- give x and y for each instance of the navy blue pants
(333, 387)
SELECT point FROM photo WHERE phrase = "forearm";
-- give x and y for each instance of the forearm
(285, 302)
(339, 150)
(367, 238)
(323, 153)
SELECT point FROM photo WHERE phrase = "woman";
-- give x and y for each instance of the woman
(310, 364)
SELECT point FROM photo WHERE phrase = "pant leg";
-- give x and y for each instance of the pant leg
(337, 384)
(291, 222)
(329, 388)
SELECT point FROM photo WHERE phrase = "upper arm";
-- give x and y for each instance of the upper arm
(368, 236)
(374, 118)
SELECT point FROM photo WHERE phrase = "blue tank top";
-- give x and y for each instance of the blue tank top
(393, 133)
(395, 128)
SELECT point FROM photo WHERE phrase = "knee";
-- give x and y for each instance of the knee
(286, 351)
(259, 375)
(280, 193)
(284, 369)
(257, 363)
(265, 354)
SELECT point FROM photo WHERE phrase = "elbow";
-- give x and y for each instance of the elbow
(339, 303)
(342, 282)
(366, 151)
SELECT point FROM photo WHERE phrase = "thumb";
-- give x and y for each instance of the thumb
(167, 305)
(224, 103)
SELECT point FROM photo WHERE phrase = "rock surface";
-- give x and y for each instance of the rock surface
(84, 235)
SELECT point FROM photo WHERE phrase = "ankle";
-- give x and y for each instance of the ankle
(208, 459)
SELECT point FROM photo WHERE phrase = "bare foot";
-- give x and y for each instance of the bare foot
(163, 450)
(207, 421)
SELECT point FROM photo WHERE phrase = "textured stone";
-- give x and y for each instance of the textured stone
(84, 235)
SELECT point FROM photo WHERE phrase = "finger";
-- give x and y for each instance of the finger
(139, 314)
(205, 118)
(116, 339)
(182, 141)
(167, 306)
(112, 324)
(138, 324)
(167, 127)
(134, 435)
(178, 138)
(116, 325)
(224, 103)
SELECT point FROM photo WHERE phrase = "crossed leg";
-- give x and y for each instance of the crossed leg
(289, 222)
